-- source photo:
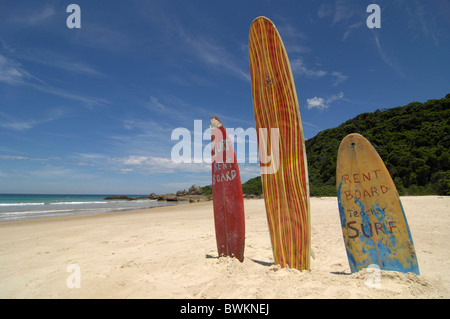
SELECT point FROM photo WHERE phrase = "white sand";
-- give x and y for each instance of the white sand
(170, 252)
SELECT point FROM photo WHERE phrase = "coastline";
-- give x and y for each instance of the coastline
(32, 206)
(170, 252)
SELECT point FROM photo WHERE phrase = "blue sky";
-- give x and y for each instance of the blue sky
(92, 110)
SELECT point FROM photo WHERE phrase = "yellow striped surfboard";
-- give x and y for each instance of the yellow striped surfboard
(282, 156)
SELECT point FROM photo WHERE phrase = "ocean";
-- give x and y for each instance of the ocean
(25, 206)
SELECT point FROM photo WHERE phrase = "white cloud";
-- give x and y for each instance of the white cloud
(46, 13)
(89, 101)
(352, 28)
(339, 78)
(299, 67)
(316, 102)
(385, 57)
(134, 160)
(321, 103)
(12, 73)
(343, 11)
(155, 105)
(217, 56)
(26, 158)
(155, 164)
(294, 40)
(290, 31)
(139, 164)
(16, 124)
(89, 156)
(126, 170)
(56, 60)
(105, 37)
(419, 19)
(248, 171)
(34, 17)
(54, 172)
(8, 122)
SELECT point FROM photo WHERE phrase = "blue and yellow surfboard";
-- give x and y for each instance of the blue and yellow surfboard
(373, 220)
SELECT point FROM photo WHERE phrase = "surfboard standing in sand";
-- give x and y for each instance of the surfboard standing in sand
(228, 199)
(373, 220)
(282, 153)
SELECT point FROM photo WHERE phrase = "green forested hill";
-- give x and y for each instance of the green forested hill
(412, 140)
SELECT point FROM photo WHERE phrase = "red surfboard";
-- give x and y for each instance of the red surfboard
(228, 201)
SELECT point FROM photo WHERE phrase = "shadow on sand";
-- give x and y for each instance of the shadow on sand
(263, 263)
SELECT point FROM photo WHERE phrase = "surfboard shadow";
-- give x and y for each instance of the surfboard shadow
(340, 273)
(263, 263)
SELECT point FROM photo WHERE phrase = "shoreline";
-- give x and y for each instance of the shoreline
(22, 207)
(127, 212)
(170, 252)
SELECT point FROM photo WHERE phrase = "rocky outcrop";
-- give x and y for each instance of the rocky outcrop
(198, 198)
(122, 197)
(182, 193)
(194, 194)
(125, 197)
(171, 197)
(195, 190)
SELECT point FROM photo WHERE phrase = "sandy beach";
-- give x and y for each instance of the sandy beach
(170, 252)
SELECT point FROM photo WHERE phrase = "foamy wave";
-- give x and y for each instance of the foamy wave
(37, 212)
(49, 203)
(76, 203)
(46, 208)
(21, 204)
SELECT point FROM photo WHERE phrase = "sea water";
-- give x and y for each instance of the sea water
(25, 206)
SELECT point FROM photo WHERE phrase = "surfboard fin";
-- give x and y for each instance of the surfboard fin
(311, 253)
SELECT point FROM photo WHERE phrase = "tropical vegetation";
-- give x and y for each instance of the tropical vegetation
(412, 140)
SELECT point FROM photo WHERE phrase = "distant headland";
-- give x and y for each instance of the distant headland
(193, 194)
